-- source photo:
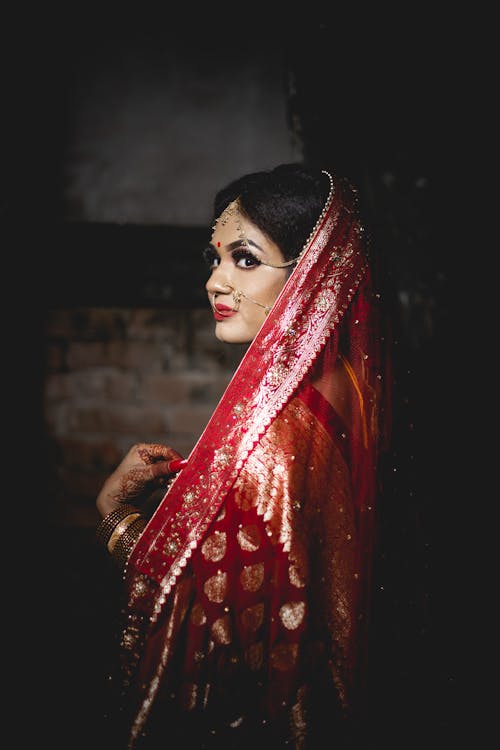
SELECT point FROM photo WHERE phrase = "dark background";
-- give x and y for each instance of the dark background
(372, 98)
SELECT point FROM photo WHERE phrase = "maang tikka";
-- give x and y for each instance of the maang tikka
(232, 210)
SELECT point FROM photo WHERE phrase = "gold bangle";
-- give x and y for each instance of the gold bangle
(126, 541)
(119, 529)
(109, 522)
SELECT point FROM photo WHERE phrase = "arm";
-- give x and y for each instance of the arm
(146, 467)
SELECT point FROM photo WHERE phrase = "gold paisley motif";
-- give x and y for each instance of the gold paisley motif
(249, 538)
(222, 513)
(252, 617)
(284, 656)
(243, 499)
(254, 656)
(251, 576)
(295, 577)
(215, 587)
(214, 547)
(298, 715)
(292, 614)
(198, 616)
(221, 630)
(277, 474)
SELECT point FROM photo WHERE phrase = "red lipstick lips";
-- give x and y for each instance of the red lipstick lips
(223, 311)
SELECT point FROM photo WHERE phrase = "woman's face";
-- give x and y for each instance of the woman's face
(238, 273)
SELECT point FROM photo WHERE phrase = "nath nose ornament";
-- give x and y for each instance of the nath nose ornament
(235, 294)
(236, 299)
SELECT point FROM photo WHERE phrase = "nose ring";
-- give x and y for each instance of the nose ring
(236, 299)
(237, 295)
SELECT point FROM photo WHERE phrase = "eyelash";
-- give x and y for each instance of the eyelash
(210, 257)
(245, 255)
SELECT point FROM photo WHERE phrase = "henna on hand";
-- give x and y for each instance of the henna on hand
(134, 483)
(144, 469)
(150, 454)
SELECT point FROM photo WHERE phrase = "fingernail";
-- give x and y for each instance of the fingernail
(177, 464)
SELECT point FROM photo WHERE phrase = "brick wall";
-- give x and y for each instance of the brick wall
(116, 376)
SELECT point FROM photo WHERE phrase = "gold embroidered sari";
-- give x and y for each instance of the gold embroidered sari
(248, 594)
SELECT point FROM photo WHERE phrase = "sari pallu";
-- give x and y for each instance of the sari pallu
(248, 592)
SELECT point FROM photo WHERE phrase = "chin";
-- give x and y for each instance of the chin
(231, 337)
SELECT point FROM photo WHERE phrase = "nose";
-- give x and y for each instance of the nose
(219, 281)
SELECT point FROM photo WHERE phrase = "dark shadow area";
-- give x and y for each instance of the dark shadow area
(112, 265)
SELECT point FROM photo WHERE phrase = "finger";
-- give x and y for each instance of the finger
(153, 452)
(159, 469)
(177, 464)
(139, 480)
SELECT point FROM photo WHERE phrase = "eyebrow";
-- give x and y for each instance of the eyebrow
(238, 243)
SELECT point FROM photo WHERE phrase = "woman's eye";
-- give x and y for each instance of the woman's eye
(210, 257)
(245, 259)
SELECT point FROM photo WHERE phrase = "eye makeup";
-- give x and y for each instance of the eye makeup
(242, 257)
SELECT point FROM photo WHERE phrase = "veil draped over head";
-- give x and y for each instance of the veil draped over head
(274, 513)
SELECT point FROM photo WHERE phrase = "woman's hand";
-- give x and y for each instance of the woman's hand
(143, 470)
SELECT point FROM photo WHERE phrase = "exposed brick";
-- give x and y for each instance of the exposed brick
(138, 354)
(181, 444)
(116, 377)
(190, 419)
(58, 324)
(93, 354)
(154, 325)
(103, 383)
(166, 388)
(88, 324)
(55, 357)
(124, 354)
(125, 419)
(209, 388)
(105, 324)
(58, 417)
(102, 455)
(174, 388)
(57, 386)
(81, 483)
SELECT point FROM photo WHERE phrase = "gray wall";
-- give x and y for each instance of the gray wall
(117, 115)
(155, 127)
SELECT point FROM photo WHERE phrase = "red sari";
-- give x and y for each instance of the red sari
(248, 593)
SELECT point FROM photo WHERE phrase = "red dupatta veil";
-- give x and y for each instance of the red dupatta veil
(327, 312)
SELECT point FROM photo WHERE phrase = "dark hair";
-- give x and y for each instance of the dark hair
(284, 202)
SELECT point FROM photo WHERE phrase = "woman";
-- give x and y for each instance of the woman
(248, 591)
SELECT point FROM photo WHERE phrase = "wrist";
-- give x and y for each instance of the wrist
(119, 529)
(105, 506)
(126, 541)
(111, 520)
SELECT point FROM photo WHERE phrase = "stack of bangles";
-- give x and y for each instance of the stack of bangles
(119, 531)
